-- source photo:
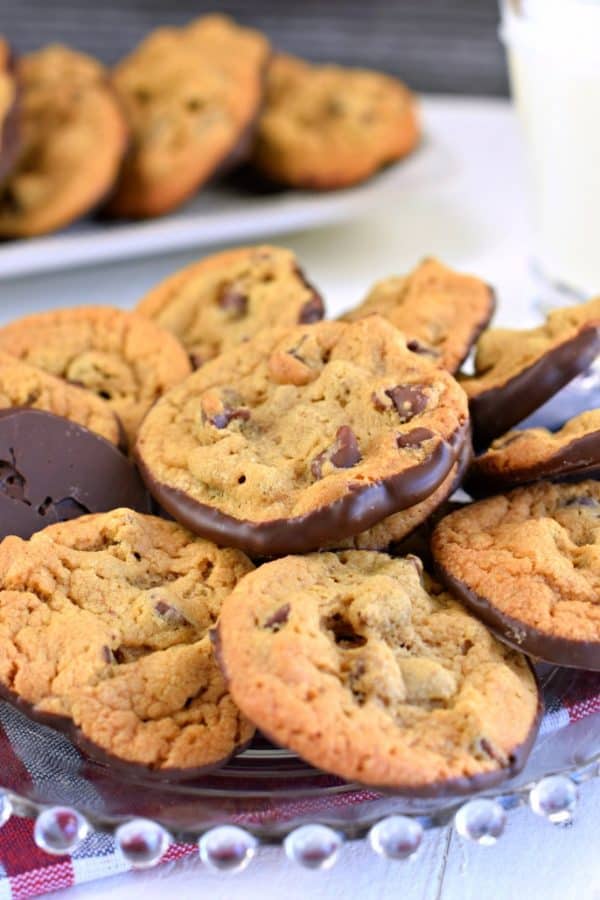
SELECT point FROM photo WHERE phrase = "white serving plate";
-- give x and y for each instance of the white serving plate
(223, 214)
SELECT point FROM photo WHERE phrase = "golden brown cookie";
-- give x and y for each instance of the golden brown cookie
(73, 136)
(520, 457)
(303, 436)
(191, 96)
(367, 668)
(528, 563)
(25, 385)
(223, 300)
(443, 311)
(516, 371)
(327, 127)
(9, 109)
(104, 633)
(125, 359)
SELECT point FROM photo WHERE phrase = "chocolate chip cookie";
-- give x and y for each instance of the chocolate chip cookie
(128, 361)
(327, 127)
(520, 457)
(367, 668)
(303, 436)
(9, 112)
(191, 96)
(528, 563)
(52, 470)
(398, 527)
(104, 632)
(223, 300)
(73, 137)
(441, 310)
(517, 371)
(24, 385)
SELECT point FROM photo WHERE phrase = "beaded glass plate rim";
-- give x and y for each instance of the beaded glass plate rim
(479, 817)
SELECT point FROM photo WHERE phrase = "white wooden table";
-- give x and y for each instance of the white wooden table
(475, 220)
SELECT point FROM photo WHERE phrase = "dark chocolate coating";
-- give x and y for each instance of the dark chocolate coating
(496, 411)
(523, 637)
(52, 469)
(121, 766)
(452, 787)
(358, 510)
(577, 460)
(9, 128)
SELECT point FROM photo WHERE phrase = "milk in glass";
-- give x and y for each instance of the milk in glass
(553, 49)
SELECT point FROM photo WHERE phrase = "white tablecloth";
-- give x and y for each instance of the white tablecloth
(474, 217)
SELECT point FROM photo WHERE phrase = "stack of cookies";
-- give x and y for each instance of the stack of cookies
(211, 507)
(185, 106)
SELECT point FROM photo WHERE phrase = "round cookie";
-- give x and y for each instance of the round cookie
(128, 361)
(303, 436)
(443, 310)
(73, 137)
(528, 563)
(517, 371)
(191, 97)
(327, 127)
(367, 668)
(223, 300)
(28, 386)
(52, 470)
(9, 109)
(400, 525)
(521, 457)
(104, 633)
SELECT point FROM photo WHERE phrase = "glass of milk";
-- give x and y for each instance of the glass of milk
(553, 49)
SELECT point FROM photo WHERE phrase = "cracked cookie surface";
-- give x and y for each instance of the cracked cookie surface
(524, 456)
(72, 139)
(22, 385)
(104, 624)
(303, 436)
(191, 96)
(367, 668)
(528, 563)
(516, 371)
(225, 299)
(327, 127)
(442, 310)
(124, 358)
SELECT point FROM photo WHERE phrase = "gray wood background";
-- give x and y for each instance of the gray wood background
(435, 45)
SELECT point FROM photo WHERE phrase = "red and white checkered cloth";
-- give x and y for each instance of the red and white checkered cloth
(26, 871)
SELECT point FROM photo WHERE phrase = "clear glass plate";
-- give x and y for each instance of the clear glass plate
(269, 791)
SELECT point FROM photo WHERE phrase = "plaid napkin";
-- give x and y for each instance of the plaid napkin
(26, 871)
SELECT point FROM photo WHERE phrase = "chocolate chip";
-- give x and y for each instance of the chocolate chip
(278, 618)
(170, 614)
(233, 301)
(312, 311)
(196, 360)
(346, 451)
(417, 347)
(107, 655)
(343, 454)
(414, 438)
(581, 501)
(343, 632)
(222, 419)
(408, 400)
